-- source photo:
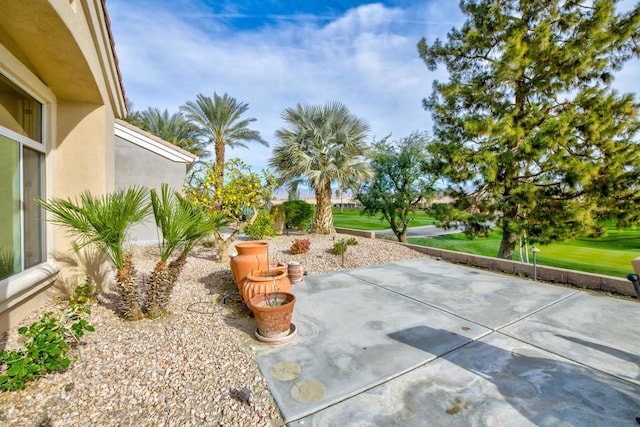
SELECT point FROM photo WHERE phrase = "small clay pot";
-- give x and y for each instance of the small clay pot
(295, 271)
(273, 313)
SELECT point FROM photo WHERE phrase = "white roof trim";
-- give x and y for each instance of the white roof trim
(149, 144)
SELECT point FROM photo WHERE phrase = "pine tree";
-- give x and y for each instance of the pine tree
(528, 126)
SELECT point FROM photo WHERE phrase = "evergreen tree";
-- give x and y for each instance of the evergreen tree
(402, 183)
(528, 127)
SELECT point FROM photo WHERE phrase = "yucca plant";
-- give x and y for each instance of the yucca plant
(104, 221)
(182, 225)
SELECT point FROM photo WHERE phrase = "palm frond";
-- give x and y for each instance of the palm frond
(101, 220)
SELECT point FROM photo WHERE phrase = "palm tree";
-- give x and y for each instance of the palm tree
(219, 121)
(322, 145)
(181, 224)
(104, 221)
(174, 128)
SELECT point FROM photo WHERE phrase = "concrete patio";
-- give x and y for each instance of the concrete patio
(425, 342)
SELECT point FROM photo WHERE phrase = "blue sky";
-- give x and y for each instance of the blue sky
(273, 54)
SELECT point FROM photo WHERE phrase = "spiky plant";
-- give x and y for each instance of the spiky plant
(182, 225)
(104, 221)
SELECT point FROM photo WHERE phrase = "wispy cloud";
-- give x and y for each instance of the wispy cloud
(365, 57)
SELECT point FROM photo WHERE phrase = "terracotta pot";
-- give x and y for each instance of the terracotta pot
(273, 320)
(295, 271)
(251, 256)
(262, 282)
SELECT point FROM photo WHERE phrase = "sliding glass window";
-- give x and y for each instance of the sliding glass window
(22, 154)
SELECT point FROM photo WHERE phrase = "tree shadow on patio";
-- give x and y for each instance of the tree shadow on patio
(474, 381)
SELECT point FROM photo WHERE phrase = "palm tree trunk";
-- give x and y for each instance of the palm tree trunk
(130, 307)
(161, 284)
(219, 151)
(156, 287)
(323, 223)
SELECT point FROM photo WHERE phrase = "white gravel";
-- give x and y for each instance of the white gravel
(180, 370)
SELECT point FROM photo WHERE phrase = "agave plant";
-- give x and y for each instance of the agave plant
(104, 221)
(182, 226)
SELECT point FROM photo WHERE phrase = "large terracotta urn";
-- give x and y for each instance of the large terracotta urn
(251, 256)
(263, 282)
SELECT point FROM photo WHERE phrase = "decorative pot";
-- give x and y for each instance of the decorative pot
(262, 282)
(273, 313)
(295, 271)
(251, 256)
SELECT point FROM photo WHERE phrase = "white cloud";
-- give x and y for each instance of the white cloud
(366, 58)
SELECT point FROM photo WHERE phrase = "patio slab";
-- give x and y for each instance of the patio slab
(596, 330)
(496, 381)
(348, 341)
(489, 299)
(424, 342)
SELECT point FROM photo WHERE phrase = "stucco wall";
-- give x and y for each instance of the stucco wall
(60, 53)
(138, 166)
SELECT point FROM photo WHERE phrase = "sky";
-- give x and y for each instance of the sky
(273, 54)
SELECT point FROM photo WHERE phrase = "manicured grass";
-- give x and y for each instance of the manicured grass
(353, 218)
(610, 255)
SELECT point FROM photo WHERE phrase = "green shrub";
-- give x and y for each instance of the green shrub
(300, 246)
(47, 342)
(298, 214)
(263, 226)
(351, 241)
(339, 248)
(84, 293)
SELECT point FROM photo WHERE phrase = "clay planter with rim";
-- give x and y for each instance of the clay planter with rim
(273, 321)
(295, 271)
(262, 282)
(251, 256)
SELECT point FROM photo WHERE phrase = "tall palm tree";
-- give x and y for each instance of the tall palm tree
(104, 221)
(219, 121)
(174, 128)
(322, 145)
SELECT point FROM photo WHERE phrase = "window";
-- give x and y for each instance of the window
(21, 180)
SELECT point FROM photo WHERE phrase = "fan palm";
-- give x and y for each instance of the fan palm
(322, 145)
(181, 224)
(219, 121)
(104, 221)
(172, 128)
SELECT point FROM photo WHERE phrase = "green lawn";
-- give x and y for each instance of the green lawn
(610, 255)
(353, 218)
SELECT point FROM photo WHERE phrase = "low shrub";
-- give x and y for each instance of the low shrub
(298, 214)
(339, 248)
(263, 226)
(47, 342)
(300, 246)
(351, 241)
(84, 293)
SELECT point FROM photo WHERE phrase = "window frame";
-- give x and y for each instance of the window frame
(40, 147)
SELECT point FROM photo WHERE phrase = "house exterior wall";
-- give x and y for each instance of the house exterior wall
(60, 53)
(137, 166)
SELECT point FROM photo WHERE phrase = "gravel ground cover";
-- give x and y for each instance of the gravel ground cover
(181, 370)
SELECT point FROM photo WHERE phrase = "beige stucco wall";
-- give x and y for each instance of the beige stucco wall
(60, 52)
